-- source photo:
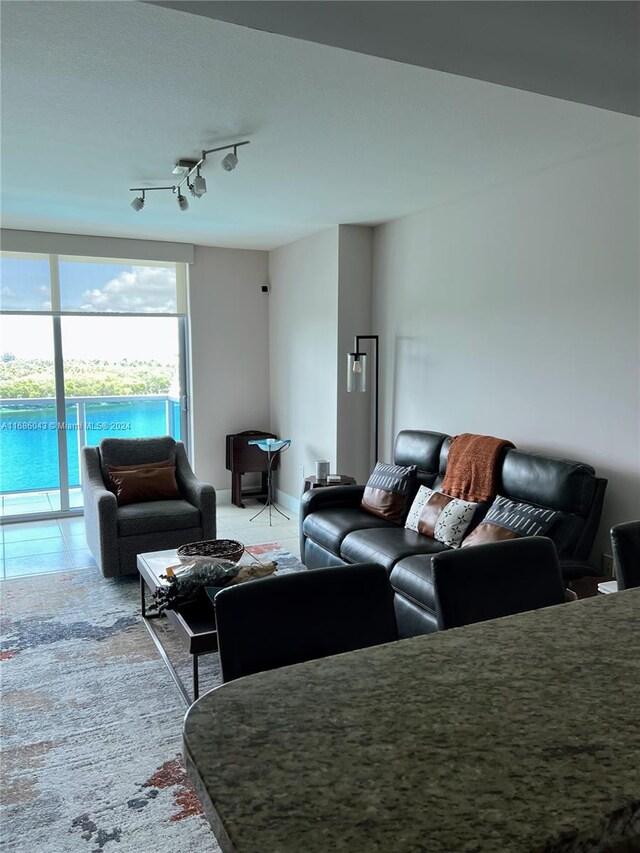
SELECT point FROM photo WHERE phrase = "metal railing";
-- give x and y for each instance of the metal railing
(82, 424)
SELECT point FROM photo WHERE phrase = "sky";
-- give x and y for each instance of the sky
(24, 285)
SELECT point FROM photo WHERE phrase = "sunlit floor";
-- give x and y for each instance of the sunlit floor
(24, 503)
(35, 547)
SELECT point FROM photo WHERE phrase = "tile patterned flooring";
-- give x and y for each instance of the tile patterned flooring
(55, 545)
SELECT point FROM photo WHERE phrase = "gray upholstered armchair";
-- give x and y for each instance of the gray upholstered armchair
(117, 534)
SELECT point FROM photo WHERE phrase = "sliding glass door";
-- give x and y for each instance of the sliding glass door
(29, 451)
(93, 349)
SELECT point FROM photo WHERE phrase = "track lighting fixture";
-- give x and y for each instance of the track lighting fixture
(183, 204)
(187, 168)
(138, 202)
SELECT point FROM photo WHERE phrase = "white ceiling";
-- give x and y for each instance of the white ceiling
(100, 96)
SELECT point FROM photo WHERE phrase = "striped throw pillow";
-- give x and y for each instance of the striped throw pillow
(388, 491)
(509, 519)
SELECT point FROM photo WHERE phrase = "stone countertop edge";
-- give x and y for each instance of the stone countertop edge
(520, 736)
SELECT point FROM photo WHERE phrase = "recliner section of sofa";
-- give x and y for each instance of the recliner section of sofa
(334, 530)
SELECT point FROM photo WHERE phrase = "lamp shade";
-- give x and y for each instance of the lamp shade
(356, 371)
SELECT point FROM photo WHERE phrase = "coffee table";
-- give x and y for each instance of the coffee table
(194, 623)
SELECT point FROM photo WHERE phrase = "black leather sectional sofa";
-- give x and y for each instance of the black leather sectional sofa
(334, 530)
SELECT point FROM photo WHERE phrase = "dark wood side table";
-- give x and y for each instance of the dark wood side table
(314, 483)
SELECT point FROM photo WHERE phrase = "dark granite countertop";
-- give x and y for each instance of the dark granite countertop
(521, 734)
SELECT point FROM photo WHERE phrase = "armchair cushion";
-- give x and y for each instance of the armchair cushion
(155, 516)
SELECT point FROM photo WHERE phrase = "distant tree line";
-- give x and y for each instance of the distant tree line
(28, 378)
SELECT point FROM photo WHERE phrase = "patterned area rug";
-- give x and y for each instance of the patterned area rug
(92, 722)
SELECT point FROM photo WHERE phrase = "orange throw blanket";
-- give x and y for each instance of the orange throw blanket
(472, 467)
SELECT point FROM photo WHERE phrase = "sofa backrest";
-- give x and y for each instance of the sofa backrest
(569, 487)
(422, 449)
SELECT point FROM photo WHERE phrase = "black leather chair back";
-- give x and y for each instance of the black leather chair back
(625, 540)
(287, 619)
(499, 579)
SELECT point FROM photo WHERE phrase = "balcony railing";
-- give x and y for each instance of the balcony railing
(29, 434)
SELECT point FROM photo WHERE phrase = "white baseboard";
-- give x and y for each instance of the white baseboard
(288, 501)
(223, 498)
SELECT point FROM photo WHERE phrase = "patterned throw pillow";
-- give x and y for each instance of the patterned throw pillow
(419, 501)
(509, 519)
(387, 491)
(441, 517)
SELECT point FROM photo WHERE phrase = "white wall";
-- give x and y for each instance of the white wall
(354, 449)
(303, 321)
(515, 313)
(229, 354)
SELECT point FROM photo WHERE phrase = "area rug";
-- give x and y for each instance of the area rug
(92, 722)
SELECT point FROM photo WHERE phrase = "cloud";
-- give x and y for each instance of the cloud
(147, 290)
(9, 298)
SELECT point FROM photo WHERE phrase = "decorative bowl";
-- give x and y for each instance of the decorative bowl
(219, 549)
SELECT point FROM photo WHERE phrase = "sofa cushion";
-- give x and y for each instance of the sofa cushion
(442, 517)
(386, 546)
(328, 527)
(155, 516)
(507, 519)
(389, 490)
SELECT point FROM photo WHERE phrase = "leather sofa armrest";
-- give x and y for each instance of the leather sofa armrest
(330, 497)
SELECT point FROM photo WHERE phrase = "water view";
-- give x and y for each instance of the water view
(29, 442)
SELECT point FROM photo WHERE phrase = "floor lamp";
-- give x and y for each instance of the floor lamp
(357, 375)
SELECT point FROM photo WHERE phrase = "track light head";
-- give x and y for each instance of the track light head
(138, 203)
(199, 186)
(183, 204)
(230, 161)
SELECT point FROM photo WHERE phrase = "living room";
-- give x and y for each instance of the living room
(487, 232)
